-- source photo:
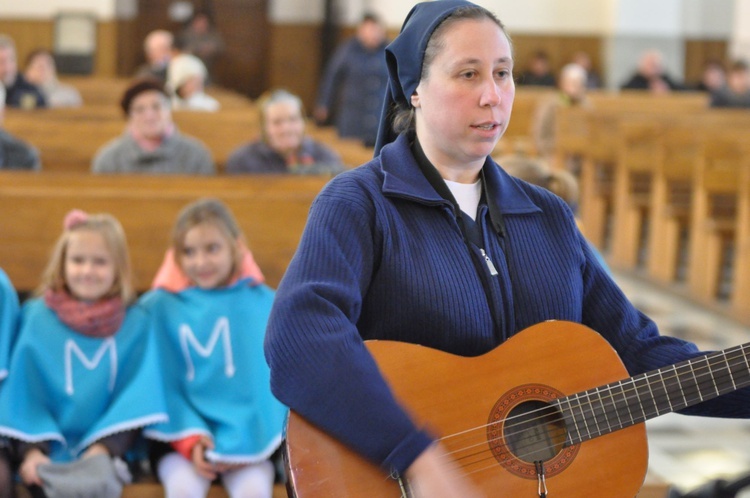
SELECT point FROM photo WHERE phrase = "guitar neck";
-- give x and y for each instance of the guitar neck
(608, 408)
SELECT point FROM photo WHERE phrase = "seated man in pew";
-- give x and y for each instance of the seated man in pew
(151, 143)
(14, 153)
(572, 92)
(157, 49)
(41, 71)
(651, 75)
(18, 92)
(736, 91)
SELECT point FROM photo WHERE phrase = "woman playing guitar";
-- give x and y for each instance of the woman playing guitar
(432, 243)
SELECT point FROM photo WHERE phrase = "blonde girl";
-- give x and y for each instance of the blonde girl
(82, 379)
(211, 308)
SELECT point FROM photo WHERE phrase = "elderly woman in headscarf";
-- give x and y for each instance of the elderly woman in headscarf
(283, 146)
(433, 243)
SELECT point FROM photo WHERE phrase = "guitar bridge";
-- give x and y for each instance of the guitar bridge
(541, 480)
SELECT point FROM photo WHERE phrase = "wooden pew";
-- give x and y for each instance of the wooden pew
(597, 178)
(518, 136)
(640, 101)
(670, 202)
(107, 92)
(639, 148)
(68, 139)
(154, 490)
(721, 188)
(272, 210)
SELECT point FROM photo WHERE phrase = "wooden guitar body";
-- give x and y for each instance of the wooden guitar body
(466, 401)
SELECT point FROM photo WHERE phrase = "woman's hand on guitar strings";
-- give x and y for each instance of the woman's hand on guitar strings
(435, 475)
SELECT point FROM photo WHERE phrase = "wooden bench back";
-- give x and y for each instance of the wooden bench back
(272, 211)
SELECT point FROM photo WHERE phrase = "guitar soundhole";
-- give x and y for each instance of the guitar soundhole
(524, 426)
(534, 431)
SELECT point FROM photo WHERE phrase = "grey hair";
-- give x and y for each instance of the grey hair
(7, 42)
(573, 70)
(274, 97)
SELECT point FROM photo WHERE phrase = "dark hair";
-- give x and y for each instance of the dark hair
(205, 13)
(370, 17)
(138, 87)
(35, 53)
(738, 66)
(403, 118)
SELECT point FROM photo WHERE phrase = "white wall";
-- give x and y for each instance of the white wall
(47, 9)
(740, 45)
(708, 19)
(569, 16)
(668, 18)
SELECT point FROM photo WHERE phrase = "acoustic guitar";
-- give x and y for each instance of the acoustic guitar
(523, 420)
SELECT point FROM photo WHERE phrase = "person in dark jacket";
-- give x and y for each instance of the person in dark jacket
(352, 88)
(651, 75)
(18, 92)
(736, 92)
(433, 243)
(539, 72)
(283, 146)
(14, 152)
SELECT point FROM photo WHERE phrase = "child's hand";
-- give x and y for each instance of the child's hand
(28, 470)
(95, 449)
(204, 467)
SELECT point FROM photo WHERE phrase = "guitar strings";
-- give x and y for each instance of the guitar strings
(622, 391)
(619, 385)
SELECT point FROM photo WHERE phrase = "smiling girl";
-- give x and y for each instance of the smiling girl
(82, 379)
(211, 308)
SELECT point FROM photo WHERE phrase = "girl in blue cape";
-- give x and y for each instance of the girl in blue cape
(82, 379)
(8, 330)
(211, 309)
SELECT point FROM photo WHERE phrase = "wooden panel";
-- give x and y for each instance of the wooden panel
(271, 209)
(294, 61)
(28, 34)
(32, 34)
(105, 63)
(559, 48)
(245, 28)
(129, 53)
(153, 490)
(698, 52)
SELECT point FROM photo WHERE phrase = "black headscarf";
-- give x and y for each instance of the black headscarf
(404, 58)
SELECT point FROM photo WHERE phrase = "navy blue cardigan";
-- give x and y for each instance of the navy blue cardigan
(383, 257)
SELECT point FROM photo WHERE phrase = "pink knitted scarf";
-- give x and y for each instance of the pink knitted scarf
(98, 319)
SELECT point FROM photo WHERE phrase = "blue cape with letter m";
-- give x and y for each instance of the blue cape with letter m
(217, 381)
(8, 321)
(72, 390)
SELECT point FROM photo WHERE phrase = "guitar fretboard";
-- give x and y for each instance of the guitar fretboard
(608, 408)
